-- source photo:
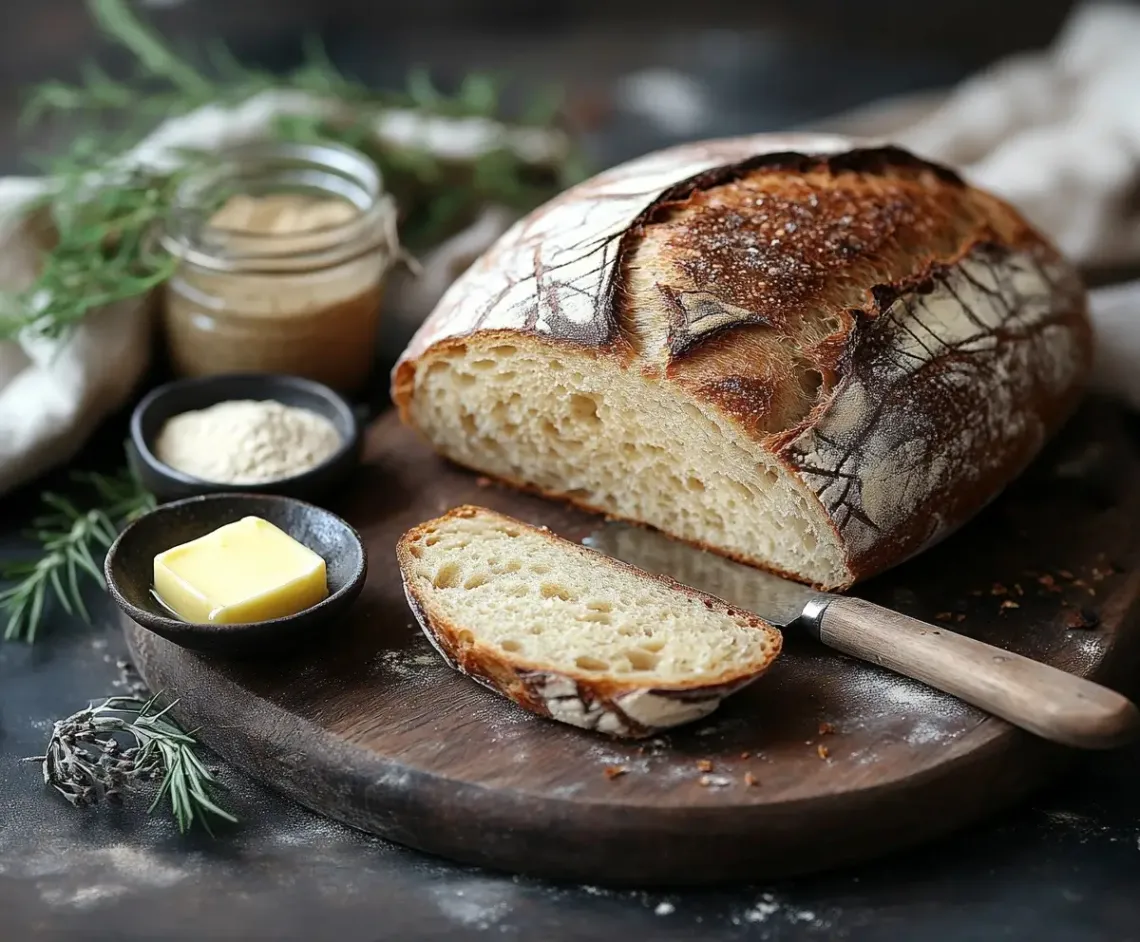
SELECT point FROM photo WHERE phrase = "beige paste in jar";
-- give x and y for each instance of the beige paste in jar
(318, 323)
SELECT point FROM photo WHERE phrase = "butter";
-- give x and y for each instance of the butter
(243, 572)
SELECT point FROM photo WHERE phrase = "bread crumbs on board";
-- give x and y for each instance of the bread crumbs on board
(823, 751)
(614, 771)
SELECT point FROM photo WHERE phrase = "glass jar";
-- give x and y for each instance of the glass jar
(301, 296)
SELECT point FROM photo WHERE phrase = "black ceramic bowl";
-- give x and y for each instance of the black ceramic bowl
(186, 395)
(129, 569)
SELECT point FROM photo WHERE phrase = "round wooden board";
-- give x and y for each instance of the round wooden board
(369, 727)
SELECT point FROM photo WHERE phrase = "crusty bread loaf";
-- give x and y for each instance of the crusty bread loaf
(571, 633)
(811, 356)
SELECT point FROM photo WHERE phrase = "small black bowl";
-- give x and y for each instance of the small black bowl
(186, 395)
(129, 569)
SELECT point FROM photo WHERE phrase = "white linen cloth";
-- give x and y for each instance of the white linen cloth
(1055, 132)
(54, 394)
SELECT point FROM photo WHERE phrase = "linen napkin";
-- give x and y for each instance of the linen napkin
(1057, 133)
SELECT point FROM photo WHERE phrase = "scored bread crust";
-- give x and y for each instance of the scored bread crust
(606, 704)
(899, 342)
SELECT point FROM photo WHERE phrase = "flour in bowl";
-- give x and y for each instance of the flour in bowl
(244, 441)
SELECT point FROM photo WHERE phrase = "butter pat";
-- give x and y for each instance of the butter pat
(242, 572)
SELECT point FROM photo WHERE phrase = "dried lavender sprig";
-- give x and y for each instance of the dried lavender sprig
(86, 760)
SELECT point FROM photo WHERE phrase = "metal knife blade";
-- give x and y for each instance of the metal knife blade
(780, 601)
(1035, 696)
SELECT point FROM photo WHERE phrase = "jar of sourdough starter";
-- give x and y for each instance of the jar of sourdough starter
(283, 250)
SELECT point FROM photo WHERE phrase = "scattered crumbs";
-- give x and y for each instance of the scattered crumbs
(826, 729)
(1008, 604)
(959, 617)
(483, 481)
(1018, 590)
(706, 731)
(613, 771)
(665, 909)
(998, 589)
(1049, 583)
(1081, 618)
(745, 755)
(705, 765)
(750, 779)
(823, 751)
(714, 781)
(943, 616)
(1064, 574)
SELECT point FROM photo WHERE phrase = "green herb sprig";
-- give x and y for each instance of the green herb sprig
(71, 540)
(101, 752)
(104, 223)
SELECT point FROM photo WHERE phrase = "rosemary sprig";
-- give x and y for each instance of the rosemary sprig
(70, 539)
(87, 760)
(105, 250)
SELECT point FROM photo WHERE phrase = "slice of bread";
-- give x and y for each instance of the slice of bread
(572, 634)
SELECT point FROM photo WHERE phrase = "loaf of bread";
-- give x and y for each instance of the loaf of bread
(808, 355)
(572, 634)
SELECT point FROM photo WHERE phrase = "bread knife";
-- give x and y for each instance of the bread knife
(1039, 698)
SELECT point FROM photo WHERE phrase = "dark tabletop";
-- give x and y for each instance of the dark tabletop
(1063, 867)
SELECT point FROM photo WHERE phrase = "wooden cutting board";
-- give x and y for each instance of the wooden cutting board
(369, 727)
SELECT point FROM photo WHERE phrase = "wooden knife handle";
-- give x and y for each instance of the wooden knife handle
(1042, 699)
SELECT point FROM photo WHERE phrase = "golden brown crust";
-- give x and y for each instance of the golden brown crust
(899, 341)
(604, 702)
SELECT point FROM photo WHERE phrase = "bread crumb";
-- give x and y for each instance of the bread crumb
(613, 771)
(1064, 574)
(705, 765)
(999, 589)
(717, 781)
(750, 779)
(483, 481)
(942, 616)
(1007, 604)
(745, 755)
(959, 617)
(826, 729)
(1082, 618)
(1018, 589)
(823, 751)
(664, 909)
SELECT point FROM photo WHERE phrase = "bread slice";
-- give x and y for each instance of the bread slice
(808, 355)
(572, 634)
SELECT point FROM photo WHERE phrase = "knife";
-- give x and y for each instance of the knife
(1046, 701)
